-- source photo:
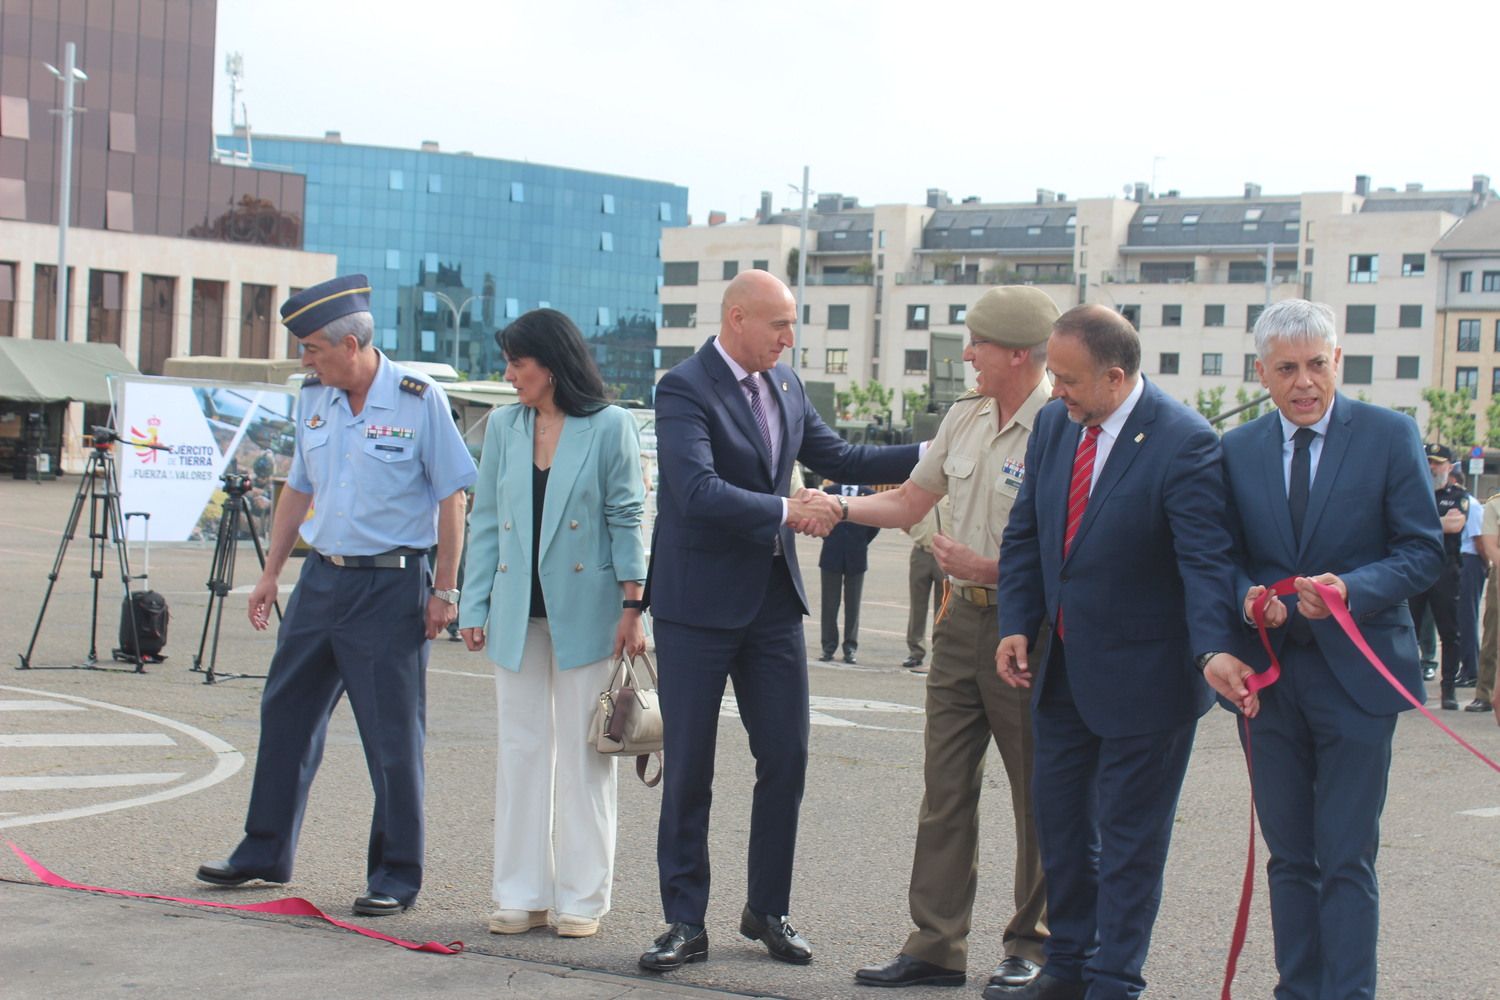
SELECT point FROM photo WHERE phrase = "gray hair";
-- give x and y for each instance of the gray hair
(1297, 321)
(1039, 354)
(359, 325)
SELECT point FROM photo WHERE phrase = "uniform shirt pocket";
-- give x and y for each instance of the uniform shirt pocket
(388, 450)
(958, 467)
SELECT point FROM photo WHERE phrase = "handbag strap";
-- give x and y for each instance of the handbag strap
(642, 761)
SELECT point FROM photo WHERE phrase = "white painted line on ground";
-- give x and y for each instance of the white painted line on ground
(86, 740)
(61, 782)
(37, 705)
(227, 762)
(1492, 812)
(460, 673)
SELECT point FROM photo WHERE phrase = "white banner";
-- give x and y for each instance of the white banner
(211, 428)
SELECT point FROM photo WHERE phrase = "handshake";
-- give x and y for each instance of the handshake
(813, 512)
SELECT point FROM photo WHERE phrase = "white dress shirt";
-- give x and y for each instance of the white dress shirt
(1314, 448)
(1109, 430)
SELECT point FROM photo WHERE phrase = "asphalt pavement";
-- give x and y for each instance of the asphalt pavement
(130, 781)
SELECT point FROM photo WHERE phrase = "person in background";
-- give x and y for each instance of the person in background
(843, 562)
(557, 562)
(1488, 545)
(1472, 572)
(1441, 598)
(925, 585)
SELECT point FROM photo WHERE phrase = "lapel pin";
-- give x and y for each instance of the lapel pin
(1140, 437)
(783, 387)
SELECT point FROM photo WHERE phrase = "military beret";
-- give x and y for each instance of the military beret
(1012, 316)
(314, 308)
(1439, 453)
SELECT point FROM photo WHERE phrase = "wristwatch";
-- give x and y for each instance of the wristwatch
(1203, 659)
(630, 605)
(451, 596)
(843, 507)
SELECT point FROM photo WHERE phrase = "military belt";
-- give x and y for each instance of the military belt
(394, 559)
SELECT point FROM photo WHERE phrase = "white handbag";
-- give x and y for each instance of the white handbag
(627, 720)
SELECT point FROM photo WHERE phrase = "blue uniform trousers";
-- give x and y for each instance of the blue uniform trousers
(1104, 814)
(767, 660)
(1320, 781)
(360, 630)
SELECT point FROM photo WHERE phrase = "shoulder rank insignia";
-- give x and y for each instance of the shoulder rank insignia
(308, 380)
(415, 386)
(971, 394)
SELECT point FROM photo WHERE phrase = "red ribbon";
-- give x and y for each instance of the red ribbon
(290, 906)
(1260, 681)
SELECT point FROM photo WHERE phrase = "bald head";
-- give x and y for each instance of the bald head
(758, 319)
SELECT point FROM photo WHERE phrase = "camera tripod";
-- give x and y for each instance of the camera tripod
(96, 488)
(221, 573)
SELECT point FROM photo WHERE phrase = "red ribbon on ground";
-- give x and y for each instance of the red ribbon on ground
(290, 906)
(1265, 679)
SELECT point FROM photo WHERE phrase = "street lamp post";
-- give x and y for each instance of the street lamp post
(801, 274)
(67, 75)
(458, 311)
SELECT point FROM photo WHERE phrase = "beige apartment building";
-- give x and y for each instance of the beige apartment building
(888, 286)
(1466, 345)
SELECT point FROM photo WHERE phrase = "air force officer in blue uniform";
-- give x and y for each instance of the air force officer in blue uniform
(727, 601)
(383, 469)
(1117, 540)
(1327, 489)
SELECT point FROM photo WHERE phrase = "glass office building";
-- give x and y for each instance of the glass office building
(440, 233)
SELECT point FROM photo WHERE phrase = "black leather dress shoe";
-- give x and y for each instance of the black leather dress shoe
(1043, 987)
(681, 944)
(1450, 703)
(903, 970)
(826, 658)
(911, 661)
(1466, 682)
(1014, 972)
(1478, 705)
(378, 904)
(1429, 671)
(776, 933)
(224, 873)
(849, 658)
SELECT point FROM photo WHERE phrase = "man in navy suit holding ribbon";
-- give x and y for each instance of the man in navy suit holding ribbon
(1117, 540)
(1329, 491)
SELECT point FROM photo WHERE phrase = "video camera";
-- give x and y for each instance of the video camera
(236, 484)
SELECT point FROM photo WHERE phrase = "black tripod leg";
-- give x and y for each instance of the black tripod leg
(216, 586)
(62, 550)
(116, 523)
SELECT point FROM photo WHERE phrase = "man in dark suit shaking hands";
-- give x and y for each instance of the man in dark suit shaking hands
(1117, 540)
(1329, 490)
(727, 601)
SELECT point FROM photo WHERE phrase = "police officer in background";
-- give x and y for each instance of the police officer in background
(383, 469)
(977, 460)
(1442, 597)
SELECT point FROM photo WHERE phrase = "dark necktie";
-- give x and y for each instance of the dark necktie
(752, 385)
(1301, 484)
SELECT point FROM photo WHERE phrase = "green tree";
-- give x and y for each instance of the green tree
(1243, 396)
(1210, 402)
(793, 258)
(1492, 423)
(913, 401)
(1450, 416)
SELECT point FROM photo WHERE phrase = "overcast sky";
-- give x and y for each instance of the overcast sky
(886, 99)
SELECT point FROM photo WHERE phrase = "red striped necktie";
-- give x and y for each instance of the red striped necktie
(1078, 493)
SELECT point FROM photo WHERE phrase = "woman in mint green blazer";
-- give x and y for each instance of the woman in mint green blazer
(555, 561)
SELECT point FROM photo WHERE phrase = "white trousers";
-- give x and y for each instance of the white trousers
(554, 793)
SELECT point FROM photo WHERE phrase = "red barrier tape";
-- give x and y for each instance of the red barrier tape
(291, 906)
(1265, 679)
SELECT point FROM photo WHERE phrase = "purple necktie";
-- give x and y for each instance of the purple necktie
(752, 384)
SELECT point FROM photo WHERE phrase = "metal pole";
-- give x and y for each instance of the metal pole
(801, 279)
(454, 309)
(1270, 267)
(64, 196)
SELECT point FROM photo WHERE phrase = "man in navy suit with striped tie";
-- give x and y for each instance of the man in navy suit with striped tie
(727, 601)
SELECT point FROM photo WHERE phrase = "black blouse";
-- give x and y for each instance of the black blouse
(538, 495)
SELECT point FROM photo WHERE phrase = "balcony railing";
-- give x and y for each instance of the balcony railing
(1196, 276)
(838, 279)
(992, 277)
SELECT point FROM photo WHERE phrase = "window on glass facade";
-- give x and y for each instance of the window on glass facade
(398, 181)
(429, 341)
(668, 357)
(683, 272)
(1167, 364)
(1413, 265)
(517, 191)
(607, 204)
(1171, 315)
(434, 183)
(1248, 373)
(1213, 364)
(838, 317)
(603, 316)
(916, 317)
(12, 198)
(429, 302)
(15, 118)
(607, 242)
(1411, 317)
(512, 308)
(1359, 369)
(390, 340)
(1364, 268)
(731, 268)
(119, 211)
(836, 360)
(393, 260)
(665, 213)
(1468, 335)
(1359, 319)
(1467, 380)
(676, 316)
(1213, 315)
(430, 263)
(916, 362)
(255, 320)
(1408, 366)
